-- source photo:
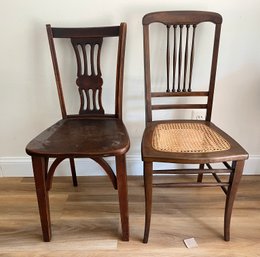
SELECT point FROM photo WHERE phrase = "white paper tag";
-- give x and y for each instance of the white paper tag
(190, 243)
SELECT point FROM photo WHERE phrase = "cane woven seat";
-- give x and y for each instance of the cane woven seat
(187, 138)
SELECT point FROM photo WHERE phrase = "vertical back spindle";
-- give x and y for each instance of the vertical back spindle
(180, 60)
(168, 59)
(186, 58)
(174, 58)
(192, 56)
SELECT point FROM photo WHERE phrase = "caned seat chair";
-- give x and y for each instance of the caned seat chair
(173, 83)
(90, 133)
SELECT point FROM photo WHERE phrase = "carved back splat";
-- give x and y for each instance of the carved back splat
(89, 74)
(87, 44)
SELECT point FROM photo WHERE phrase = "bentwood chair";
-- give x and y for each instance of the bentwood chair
(184, 39)
(92, 133)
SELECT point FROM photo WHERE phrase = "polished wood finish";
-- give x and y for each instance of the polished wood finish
(92, 133)
(182, 27)
(86, 219)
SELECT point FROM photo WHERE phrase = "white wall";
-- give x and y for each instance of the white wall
(28, 99)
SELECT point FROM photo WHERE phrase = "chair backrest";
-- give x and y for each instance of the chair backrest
(181, 29)
(87, 44)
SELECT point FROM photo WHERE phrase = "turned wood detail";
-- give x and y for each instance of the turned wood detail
(180, 49)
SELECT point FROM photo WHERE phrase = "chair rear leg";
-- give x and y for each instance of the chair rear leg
(200, 176)
(235, 178)
(123, 195)
(148, 181)
(73, 172)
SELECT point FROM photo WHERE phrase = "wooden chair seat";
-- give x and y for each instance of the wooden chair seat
(82, 138)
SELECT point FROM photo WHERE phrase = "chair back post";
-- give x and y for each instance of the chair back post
(147, 74)
(213, 71)
(120, 70)
(56, 71)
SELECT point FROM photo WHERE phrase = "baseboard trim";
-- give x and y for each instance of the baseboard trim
(21, 166)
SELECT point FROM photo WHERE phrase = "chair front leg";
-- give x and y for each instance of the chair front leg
(235, 178)
(39, 170)
(148, 184)
(123, 195)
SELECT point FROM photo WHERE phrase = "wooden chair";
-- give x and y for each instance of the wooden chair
(178, 141)
(92, 133)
